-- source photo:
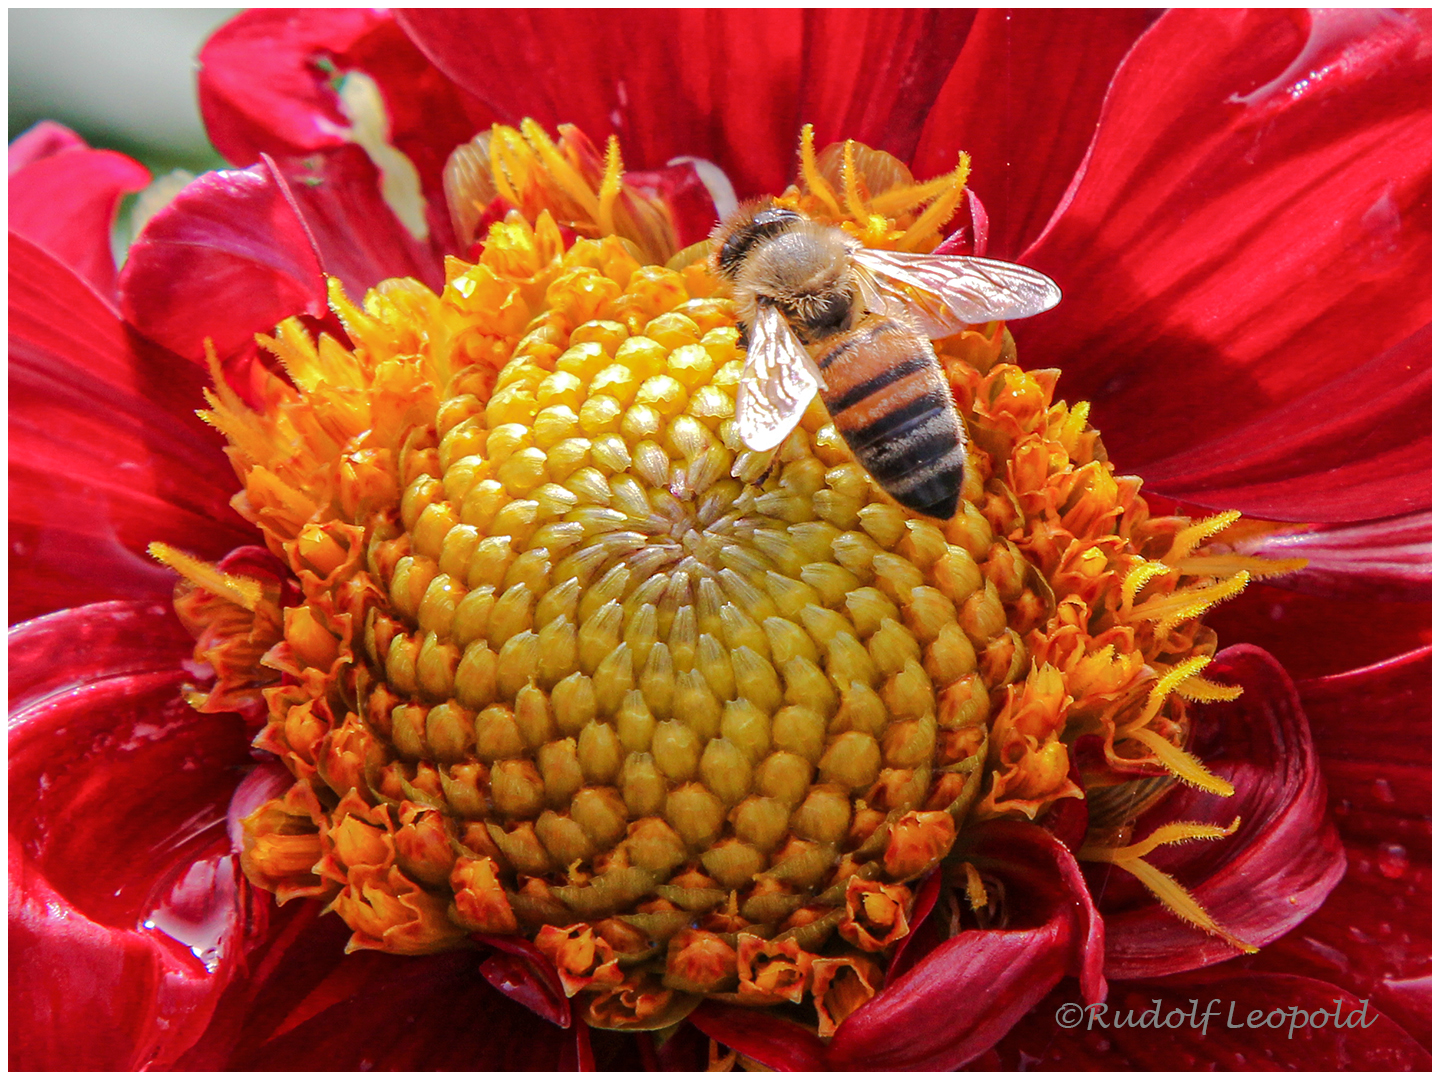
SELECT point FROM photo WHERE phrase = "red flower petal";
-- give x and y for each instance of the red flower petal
(358, 237)
(774, 1042)
(1358, 446)
(106, 451)
(63, 200)
(1312, 636)
(1170, 1040)
(1373, 935)
(1022, 101)
(268, 86)
(228, 258)
(932, 1017)
(524, 974)
(44, 140)
(884, 100)
(124, 900)
(1252, 213)
(1385, 560)
(406, 1012)
(1273, 872)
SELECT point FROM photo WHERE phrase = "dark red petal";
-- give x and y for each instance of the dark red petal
(124, 904)
(64, 199)
(1379, 781)
(524, 974)
(357, 235)
(1373, 935)
(228, 258)
(717, 84)
(1022, 101)
(44, 140)
(1358, 446)
(875, 75)
(685, 194)
(106, 452)
(1250, 224)
(1273, 872)
(1313, 636)
(1130, 1032)
(1385, 560)
(774, 1042)
(406, 1012)
(968, 991)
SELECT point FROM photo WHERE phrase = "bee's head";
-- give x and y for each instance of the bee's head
(751, 224)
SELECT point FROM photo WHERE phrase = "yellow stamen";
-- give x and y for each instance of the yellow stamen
(941, 210)
(1189, 538)
(1183, 765)
(1224, 565)
(1176, 832)
(610, 186)
(810, 173)
(1174, 608)
(570, 181)
(851, 176)
(246, 592)
(1180, 903)
(1138, 578)
(975, 891)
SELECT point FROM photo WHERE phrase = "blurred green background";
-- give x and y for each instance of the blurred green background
(123, 78)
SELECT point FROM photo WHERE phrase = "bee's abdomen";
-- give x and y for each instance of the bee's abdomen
(889, 399)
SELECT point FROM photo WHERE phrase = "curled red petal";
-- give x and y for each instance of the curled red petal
(1252, 214)
(524, 974)
(64, 197)
(1373, 934)
(1022, 100)
(1278, 866)
(1385, 560)
(44, 140)
(106, 452)
(228, 258)
(774, 1042)
(1162, 1025)
(268, 85)
(89, 996)
(125, 902)
(968, 991)
(267, 79)
(123, 784)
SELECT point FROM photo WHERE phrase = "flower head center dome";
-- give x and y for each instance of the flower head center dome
(567, 661)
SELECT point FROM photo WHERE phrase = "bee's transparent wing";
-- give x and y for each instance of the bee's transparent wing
(777, 385)
(941, 294)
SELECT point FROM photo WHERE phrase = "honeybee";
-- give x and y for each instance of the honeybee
(823, 312)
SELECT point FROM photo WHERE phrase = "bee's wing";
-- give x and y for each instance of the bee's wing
(777, 385)
(940, 294)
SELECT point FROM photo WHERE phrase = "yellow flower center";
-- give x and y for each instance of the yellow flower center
(570, 662)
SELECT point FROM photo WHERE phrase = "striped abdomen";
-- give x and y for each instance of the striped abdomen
(889, 398)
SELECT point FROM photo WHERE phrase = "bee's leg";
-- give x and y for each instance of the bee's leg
(744, 340)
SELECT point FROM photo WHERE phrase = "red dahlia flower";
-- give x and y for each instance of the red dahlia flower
(548, 706)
